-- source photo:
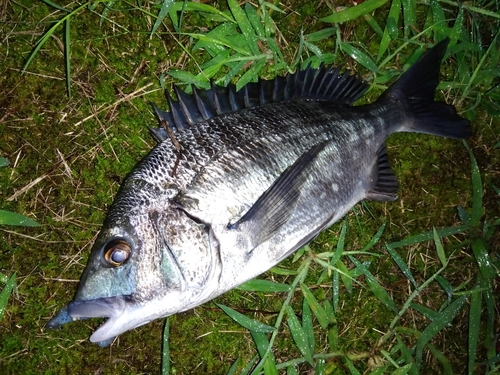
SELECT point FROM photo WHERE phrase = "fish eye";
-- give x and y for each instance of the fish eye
(116, 252)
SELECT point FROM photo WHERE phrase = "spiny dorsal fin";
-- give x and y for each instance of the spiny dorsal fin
(322, 84)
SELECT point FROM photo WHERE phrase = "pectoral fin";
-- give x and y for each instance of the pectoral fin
(275, 206)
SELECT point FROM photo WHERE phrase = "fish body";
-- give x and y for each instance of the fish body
(243, 179)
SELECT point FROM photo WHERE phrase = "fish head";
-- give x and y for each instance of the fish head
(150, 260)
(111, 286)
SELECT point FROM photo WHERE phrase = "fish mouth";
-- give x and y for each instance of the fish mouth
(120, 313)
(111, 308)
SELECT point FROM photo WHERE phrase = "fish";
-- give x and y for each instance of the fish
(240, 180)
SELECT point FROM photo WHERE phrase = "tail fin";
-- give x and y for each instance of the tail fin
(415, 91)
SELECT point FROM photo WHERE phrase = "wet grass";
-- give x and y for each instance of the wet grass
(68, 156)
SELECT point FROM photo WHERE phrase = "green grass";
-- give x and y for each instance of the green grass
(402, 287)
(10, 218)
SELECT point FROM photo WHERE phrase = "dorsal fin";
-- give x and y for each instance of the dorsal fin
(322, 84)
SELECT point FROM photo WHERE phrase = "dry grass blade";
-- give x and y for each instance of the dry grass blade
(130, 96)
(27, 187)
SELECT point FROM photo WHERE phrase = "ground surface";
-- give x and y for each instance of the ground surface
(67, 159)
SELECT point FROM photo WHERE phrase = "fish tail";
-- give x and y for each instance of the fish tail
(415, 89)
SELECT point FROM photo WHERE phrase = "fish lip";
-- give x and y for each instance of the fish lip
(107, 307)
(112, 308)
(122, 313)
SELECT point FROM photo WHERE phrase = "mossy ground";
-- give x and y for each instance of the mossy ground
(78, 166)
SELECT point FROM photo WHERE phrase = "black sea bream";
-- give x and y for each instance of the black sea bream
(241, 180)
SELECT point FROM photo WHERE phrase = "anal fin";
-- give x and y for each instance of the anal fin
(275, 206)
(385, 183)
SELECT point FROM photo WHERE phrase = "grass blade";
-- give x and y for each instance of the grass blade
(299, 336)
(320, 35)
(5, 294)
(403, 370)
(409, 16)
(354, 12)
(254, 20)
(477, 189)
(359, 56)
(283, 271)
(236, 69)
(270, 366)
(244, 321)
(335, 290)
(333, 337)
(427, 236)
(350, 366)
(335, 259)
(67, 54)
(266, 286)
(439, 248)
(406, 353)
(234, 367)
(330, 314)
(105, 11)
(262, 344)
(320, 367)
(165, 353)
(340, 244)
(445, 284)
(375, 286)
(273, 7)
(437, 16)
(463, 215)
(11, 218)
(54, 5)
(307, 324)
(250, 365)
(48, 34)
(374, 239)
(201, 8)
(425, 311)
(222, 42)
(490, 302)
(4, 162)
(221, 31)
(345, 275)
(478, 68)
(372, 22)
(219, 58)
(445, 363)
(389, 34)
(251, 74)
(401, 264)
(244, 25)
(188, 78)
(445, 318)
(458, 27)
(163, 12)
(416, 292)
(317, 309)
(314, 49)
(474, 325)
